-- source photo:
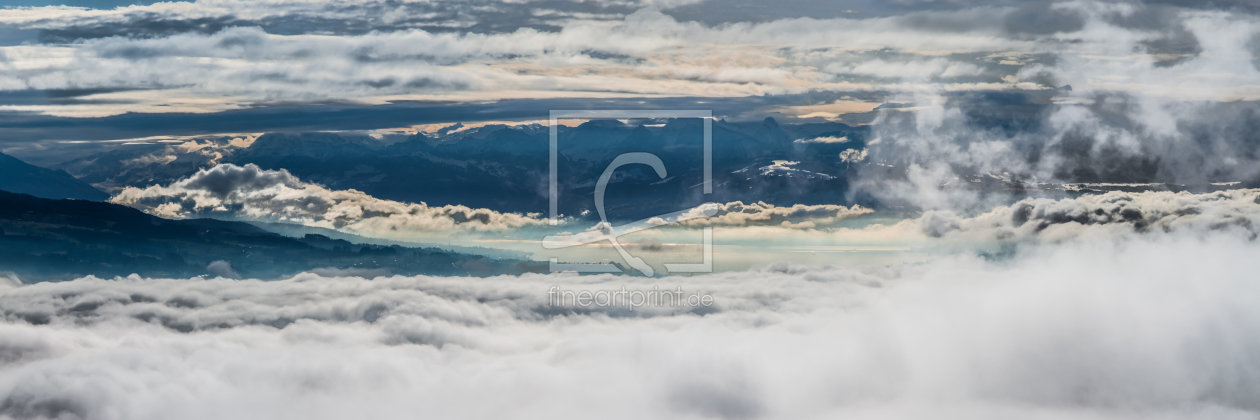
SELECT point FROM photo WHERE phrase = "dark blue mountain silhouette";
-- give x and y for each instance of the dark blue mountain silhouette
(505, 168)
(42, 239)
(20, 177)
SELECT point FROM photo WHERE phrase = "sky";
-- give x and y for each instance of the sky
(1140, 73)
(100, 59)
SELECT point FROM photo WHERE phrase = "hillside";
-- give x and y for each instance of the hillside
(21, 177)
(42, 239)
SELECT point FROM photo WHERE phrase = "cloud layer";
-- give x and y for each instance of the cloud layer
(251, 193)
(1159, 328)
(369, 54)
(1104, 215)
(762, 214)
(1075, 91)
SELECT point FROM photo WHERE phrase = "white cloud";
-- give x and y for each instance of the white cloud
(1114, 216)
(251, 193)
(825, 140)
(1092, 217)
(762, 214)
(1105, 215)
(646, 53)
(222, 269)
(1157, 328)
(923, 70)
(854, 155)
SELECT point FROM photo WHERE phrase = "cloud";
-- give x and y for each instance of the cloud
(1147, 94)
(646, 53)
(9, 280)
(762, 214)
(919, 70)
(222, 269)
(825, 140)
(141, 165)
(854, 155)
(650, 244)
(1085, 138)
(1114, 214)
(1157, 327)
(251, 193)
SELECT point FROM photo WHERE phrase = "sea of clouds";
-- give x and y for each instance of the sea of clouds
(1156, 325)
(1119, 305)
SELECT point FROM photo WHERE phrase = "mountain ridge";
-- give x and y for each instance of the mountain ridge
(20, 177)
(43, 239)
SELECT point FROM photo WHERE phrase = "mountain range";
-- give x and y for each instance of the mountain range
(43, 239)
(20, 177)
(505, 168)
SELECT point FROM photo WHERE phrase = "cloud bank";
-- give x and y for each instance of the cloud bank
(1104, 215)
(1130, 106)
(1114, 216)
(251, 193)
(1153, 328)
(1069, 91)
(374, 52)
(799, 216)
